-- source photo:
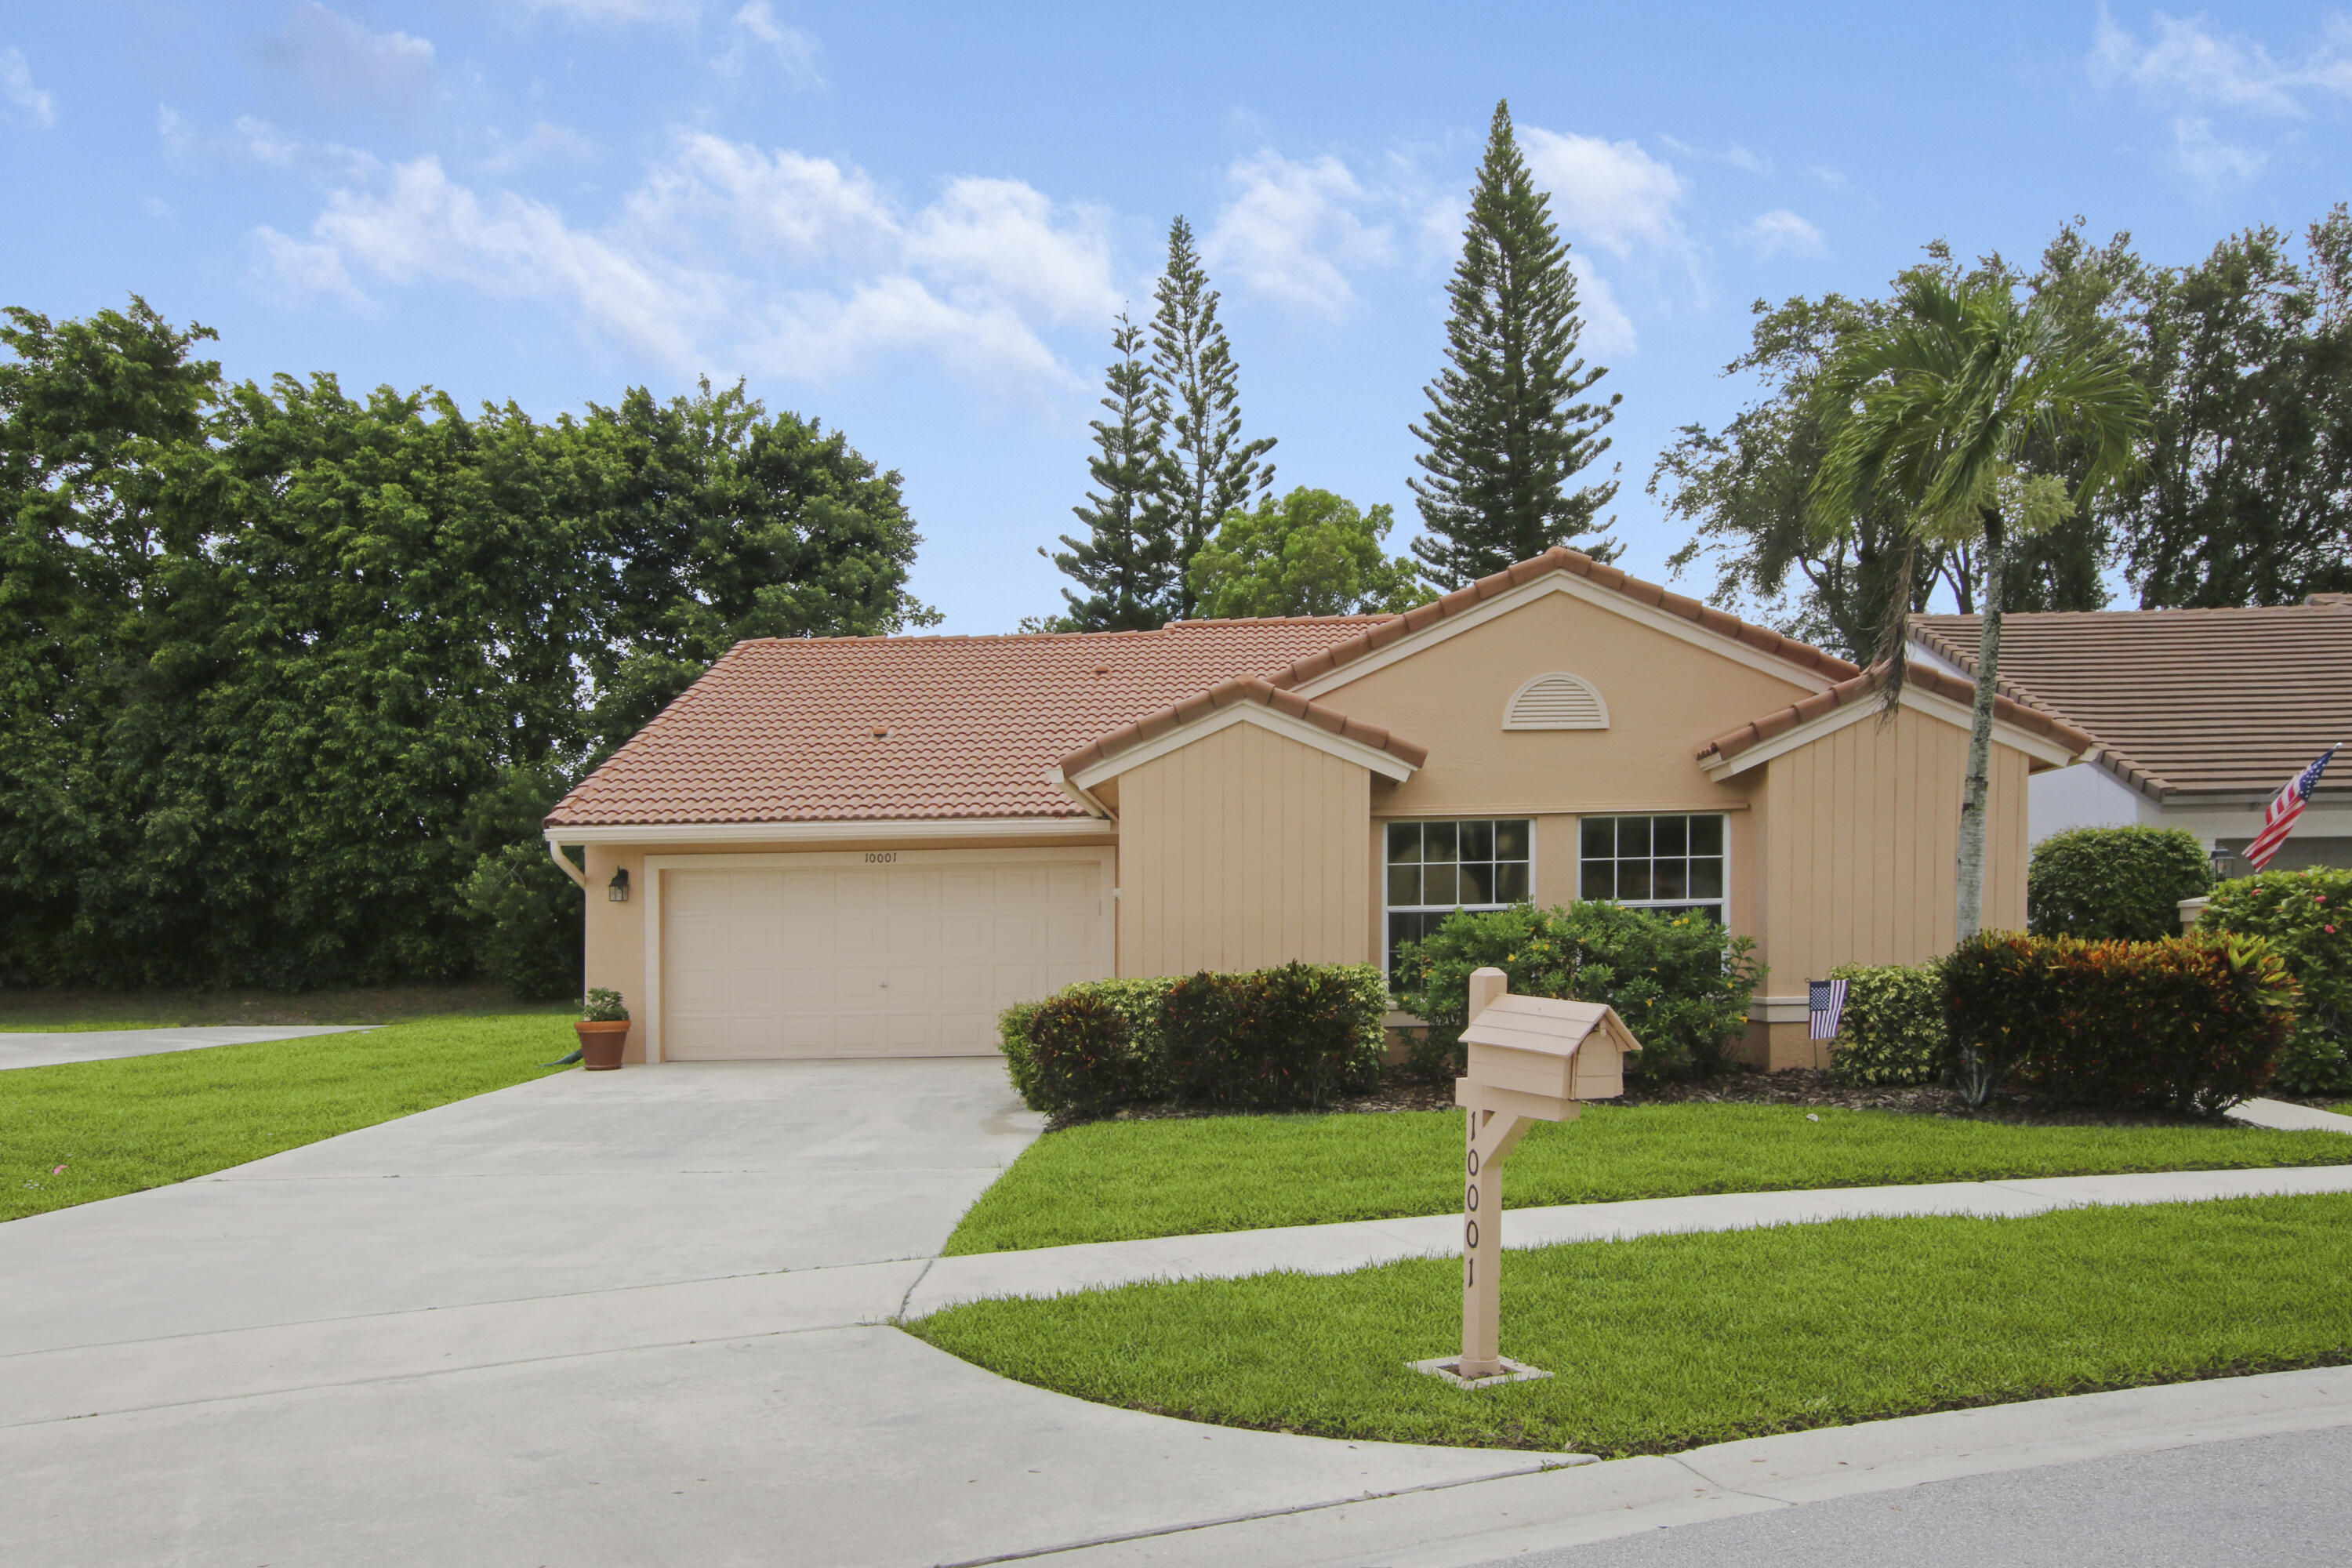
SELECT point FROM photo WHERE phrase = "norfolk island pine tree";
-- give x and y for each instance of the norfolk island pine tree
(1212, 470)
(1505, 430)
(1127, 561)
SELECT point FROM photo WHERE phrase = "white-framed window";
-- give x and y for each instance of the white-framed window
(1676, 864)
(1434, 869)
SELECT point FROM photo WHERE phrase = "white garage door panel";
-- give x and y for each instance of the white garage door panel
(910, 960)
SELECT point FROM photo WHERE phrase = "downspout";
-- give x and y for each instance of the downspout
(563, 860)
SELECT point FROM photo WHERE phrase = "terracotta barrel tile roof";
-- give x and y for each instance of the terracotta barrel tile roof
(1226, 694)
(2227, 701)
(1865, 687)
(1380, 635)
(783, 730)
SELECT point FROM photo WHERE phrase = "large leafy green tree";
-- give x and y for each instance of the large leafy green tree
(1309, 552)
(2242, 497)
(1126, 562)
(1748, 489)
(1211, 470)
(1944, 407)
(287, 669)
(1508, 426)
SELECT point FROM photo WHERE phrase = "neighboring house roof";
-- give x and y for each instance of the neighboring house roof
(2183, 702)
(1864, 690)
(1231, 694)
(1370, 639)
(782, 728)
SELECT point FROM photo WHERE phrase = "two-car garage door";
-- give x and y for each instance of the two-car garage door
(881, 954)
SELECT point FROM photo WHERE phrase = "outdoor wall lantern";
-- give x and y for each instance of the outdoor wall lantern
(617, 889)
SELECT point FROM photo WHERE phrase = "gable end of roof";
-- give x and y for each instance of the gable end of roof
(1228, 694)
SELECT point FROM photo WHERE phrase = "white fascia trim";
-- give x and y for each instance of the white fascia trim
(1086, 799)
(1386, 763)
(1920, 653)
(835, 831)
(1575, 587)
(1926, 702)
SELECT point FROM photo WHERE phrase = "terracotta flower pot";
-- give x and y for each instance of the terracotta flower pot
(600, 1044)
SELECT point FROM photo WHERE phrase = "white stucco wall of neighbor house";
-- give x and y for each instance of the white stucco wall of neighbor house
(2082, 796)
(2088, 796)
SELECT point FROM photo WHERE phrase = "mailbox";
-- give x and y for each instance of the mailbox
(1557, 1050)
(1530, 1058)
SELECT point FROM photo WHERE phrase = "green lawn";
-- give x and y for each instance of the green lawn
(1670, 1343)
(1115, 1181)
(143, 1121)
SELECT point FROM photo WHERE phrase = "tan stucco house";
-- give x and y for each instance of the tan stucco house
(871, 846)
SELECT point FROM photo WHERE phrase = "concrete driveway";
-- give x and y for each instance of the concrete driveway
(42, 1049)
(621, 1318)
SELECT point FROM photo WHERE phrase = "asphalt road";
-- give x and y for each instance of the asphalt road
(2283, 1501)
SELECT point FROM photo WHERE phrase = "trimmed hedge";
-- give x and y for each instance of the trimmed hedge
(1893, 1031)
(1296, 1037)
(2191, 1026)
(2303, 915)
(2118, 884)
(1680, 985)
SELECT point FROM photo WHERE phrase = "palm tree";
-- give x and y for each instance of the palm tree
(1936, 410)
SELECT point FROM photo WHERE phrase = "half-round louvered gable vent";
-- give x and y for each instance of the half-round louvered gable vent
(1556, 701)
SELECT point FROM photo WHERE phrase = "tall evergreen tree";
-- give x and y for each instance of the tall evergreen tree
(1213, 471)
(1127, 563)
(1505, 428)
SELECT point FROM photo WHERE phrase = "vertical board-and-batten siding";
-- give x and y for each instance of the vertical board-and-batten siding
(1242, 850)
(1861, 845)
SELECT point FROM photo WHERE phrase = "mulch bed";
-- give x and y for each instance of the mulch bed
(1790, 1086)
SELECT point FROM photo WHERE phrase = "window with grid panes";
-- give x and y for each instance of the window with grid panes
(1671, 864)
(1436, 868)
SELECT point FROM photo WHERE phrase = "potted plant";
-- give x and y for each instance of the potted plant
(604, 1030)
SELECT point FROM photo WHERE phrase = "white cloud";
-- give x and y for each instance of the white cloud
(1292, 230)
(1609, 193)
(796, 51)
(545, 142)
(2185, 59)
(1782, 233)
(1608, 330)
(1740, 157)
(998, 239)
(608, 11)
(343, 63)
(733, 257)
(2208, 159)
(809, 207)
(24, 96)
(256, 141)
(2185, 70)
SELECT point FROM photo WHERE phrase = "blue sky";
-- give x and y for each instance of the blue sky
(916, 222)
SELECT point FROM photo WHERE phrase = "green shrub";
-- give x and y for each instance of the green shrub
(604, 1005)
(2191, 1024)
(2120, 884)
(2300, 913)
(1680, 985)
(1077, 1055)
(1294, 1037)
(1893, 1030)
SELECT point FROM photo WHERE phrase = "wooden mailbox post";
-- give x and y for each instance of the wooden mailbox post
(1530, 1060)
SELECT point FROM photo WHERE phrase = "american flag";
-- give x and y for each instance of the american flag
(1824, 1007)
(2279, 820)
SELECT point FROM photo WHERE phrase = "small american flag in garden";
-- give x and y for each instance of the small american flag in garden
(1824, 1007)
(2279, 820)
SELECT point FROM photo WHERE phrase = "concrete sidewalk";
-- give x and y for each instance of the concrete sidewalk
(52, 1050)
(1339, 1248)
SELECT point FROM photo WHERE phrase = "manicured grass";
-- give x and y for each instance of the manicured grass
(142, 1121)
(52, 1012)
(1671, 1342)
(1115, 1181)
